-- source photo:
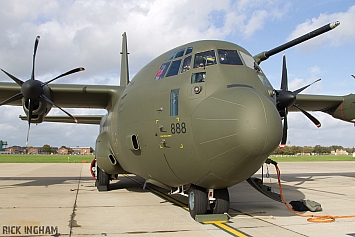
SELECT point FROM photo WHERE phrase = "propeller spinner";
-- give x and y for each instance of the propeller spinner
(32, 90)
(286, 99)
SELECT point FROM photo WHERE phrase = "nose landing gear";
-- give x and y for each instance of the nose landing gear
(198, 201)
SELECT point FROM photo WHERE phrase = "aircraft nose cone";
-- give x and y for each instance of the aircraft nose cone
(235, 131)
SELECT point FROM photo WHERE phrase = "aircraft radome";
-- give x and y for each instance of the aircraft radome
(197, 119)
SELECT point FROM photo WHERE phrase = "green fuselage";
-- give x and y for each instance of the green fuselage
(213, 132)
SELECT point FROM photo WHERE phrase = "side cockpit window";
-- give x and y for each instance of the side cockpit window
(250, 62)
(205, 59)
(174, 102)
(162, 70)
(230, 57)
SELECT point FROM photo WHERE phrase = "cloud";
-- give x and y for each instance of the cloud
(88, 34)
(344, 33)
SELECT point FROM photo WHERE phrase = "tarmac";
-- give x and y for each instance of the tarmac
(61, 200)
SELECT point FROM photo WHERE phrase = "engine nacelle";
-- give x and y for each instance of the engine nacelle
(41, 107)
(346, 110)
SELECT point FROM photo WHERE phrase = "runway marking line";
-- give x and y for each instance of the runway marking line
(219, 224)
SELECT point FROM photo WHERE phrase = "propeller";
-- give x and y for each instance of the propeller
(286, 99)
(32, 90)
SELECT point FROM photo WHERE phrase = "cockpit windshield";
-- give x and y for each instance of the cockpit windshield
(205, 59)
(230, 57)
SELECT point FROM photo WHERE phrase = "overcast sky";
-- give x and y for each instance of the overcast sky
(88, 34)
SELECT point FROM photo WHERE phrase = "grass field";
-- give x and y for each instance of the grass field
(45, 158)
(79, 158)
(312, 158)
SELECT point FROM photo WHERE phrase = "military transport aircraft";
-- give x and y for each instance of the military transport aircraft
(197, 119)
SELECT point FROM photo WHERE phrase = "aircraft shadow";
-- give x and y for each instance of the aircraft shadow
(40, 181)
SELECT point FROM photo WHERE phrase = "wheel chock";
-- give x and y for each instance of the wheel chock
(211, 218)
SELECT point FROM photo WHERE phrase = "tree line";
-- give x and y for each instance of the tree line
(318, 149)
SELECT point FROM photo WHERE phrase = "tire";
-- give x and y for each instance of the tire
(197, 201)
(221, 204)
(102, 181)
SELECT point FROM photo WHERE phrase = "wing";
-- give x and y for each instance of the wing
(341, 107)
(82, 119)
(70, 96)
(317, 102)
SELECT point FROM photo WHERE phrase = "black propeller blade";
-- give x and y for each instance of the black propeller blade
(32, 90)
(286, 99)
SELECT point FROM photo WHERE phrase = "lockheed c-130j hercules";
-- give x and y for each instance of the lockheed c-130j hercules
(197, 119)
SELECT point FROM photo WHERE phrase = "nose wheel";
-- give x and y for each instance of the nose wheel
(221, 202)
(197, 201)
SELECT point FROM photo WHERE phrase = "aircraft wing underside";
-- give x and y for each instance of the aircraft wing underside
(82, 119)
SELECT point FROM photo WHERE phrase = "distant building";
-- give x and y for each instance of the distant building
(33, 150)
(81, 150)
(54, 150)
(63, 151)
(15, 150)
(338, 152)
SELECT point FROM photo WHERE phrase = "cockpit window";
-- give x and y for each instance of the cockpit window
(250, 62)
(188, 50)
(198, 77)
(205, 59)
(230, 57)
(162, 70)
(180, 53)
(174, 68)
(186, 64)
(171, 56)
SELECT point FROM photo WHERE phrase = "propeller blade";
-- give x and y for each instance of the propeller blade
(65, 74)
(51, 102)
(284, 131)
(313, 119)
(12, 98)
(28, 134)
(34, 58)
(301, 89)
(284, 81)
(30, 110)
(18, 81)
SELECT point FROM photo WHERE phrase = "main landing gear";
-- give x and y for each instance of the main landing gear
(102, 179)
(200, 198)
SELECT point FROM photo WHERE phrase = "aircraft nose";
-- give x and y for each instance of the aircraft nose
(235, 131)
